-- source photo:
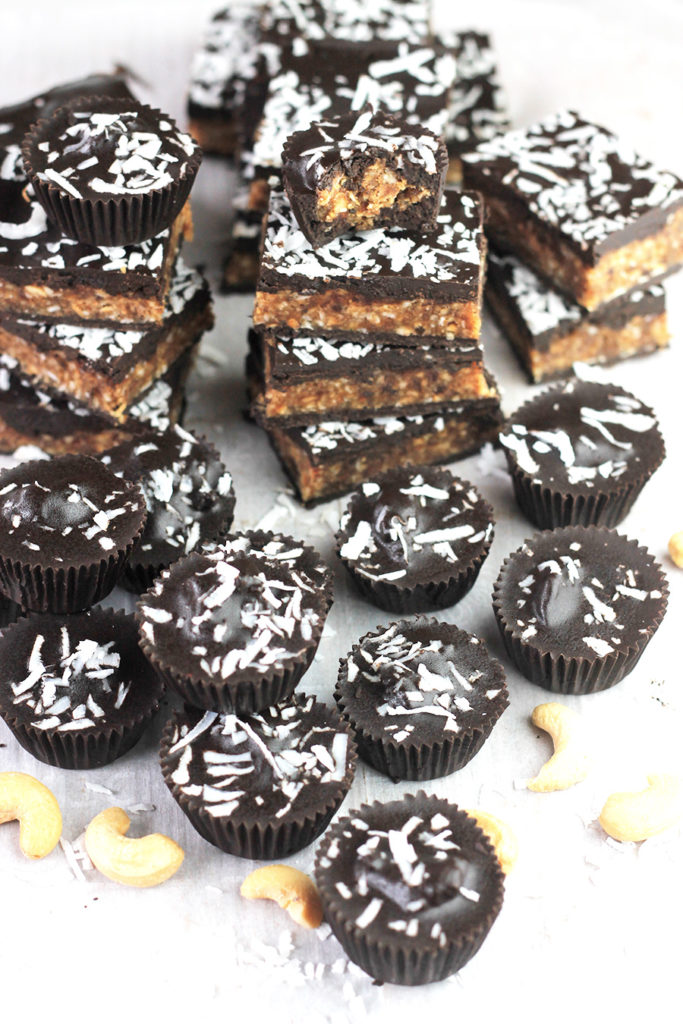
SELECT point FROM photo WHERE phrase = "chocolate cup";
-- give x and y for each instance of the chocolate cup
(558, 672)
(109, 220)
(10, 611)
(393, 959)
(83, 750)
(270, 839)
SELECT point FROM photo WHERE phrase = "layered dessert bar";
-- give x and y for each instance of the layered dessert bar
(549, 333)
(393, 282)
(579, 206)
(363, 170)
(302, 379)
(106, 368)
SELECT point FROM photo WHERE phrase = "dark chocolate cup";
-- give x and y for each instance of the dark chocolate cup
(115, 219)
(94, 748)
(606, 505)
(393, 958)
(270, 839)
(561, 673)
(10, 611)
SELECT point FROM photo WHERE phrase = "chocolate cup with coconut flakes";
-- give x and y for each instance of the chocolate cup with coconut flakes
(577, 606)
(264, 785)
(76, 690)
(67, 526)
(189, 495)
(580, 453)
(410, 888)
(415, 540)
(234, 627)
(110, 172)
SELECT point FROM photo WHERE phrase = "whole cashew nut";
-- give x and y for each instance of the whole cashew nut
(138, 862)
(632, 817)
(27, 800)
(503, 839)
(571, 761)
(291, 889)
(676, 549)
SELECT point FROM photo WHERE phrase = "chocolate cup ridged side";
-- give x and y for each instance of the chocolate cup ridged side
(389, 959)
(560, 673)
(113, 221)
(83, 750)
(268, 840)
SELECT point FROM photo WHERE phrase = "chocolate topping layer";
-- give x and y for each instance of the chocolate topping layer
(416, 681)
(284, 761)
(187, 489)
(581, 593)
(70, 510)
(583, 437)
(412, 528)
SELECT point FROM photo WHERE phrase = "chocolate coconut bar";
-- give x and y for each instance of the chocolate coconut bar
(339, 25)
(44, 274)
(106, 368)
(393, 282)
(477, 107)
(549, 333)
(579, 206)
(363, 170)
(331, 458)
(306, 378)
(30, 415)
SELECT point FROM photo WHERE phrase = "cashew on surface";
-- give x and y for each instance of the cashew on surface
(28, 801)
(291, 889)
(632, 817)
(142, 862)
(676, 549)
(503, 839)
(571, 761)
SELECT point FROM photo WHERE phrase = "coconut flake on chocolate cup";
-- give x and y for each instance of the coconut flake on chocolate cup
(422, 697)
(580, 453)
(577, 607)
(67, 526)
(234, 627)
(410, 888)
(76, 690)
(108, 171)
(189, 495)
(264, 785)
(415, 540)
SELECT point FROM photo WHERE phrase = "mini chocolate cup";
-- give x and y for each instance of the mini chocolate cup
(92, 748)
(393, 958)
(557, 671)
(109, 220)
(269, 839)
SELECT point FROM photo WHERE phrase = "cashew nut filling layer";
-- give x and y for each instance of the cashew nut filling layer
(274, 763)
(415, 682)
(581, 593)
(188, 492)
(415, 874)
(236, 610)
(414, 528)
(75, 673)
(583, 436)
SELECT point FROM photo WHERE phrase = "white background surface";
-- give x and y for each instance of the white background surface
(587, 926)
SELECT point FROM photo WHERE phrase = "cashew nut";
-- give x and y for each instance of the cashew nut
(503, 839)
(676, 549)
(27, 800)
(292, 890)
(632, 817)
(139, 862)
(571, 761)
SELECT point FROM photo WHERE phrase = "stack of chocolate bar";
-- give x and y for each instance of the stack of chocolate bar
(582, 231)
(96, 340)
(266, 71)
(365, 353)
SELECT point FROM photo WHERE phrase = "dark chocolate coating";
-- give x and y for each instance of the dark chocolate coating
(189, 493)
(67, 511)
(477, 106)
